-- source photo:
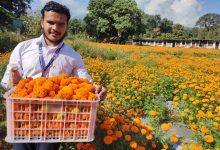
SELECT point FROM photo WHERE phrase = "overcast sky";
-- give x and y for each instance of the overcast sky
(185, 12)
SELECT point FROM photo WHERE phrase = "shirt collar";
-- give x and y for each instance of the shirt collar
(42, 40)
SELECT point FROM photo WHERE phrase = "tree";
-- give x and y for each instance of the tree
(166, 25)
(76, 26)
(179, 32)
(5, 16)
(113, 19)
(16, 7)
(155, 26)
(31, 25)
(209, 21)
(126, 18)
(201, 34)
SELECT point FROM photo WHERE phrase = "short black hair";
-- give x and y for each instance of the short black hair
(56, 7)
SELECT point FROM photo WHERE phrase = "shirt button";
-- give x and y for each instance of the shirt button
(54, 67)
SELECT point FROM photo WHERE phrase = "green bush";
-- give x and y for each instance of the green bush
(87, 50)
(8, 40)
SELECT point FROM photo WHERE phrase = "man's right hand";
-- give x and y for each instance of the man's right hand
(15, 76)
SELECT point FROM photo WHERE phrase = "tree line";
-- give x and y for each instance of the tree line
(117, 21)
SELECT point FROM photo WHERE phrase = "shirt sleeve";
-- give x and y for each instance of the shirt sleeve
(80, 70)
(14, 61)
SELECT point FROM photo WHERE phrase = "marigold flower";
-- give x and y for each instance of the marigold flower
(133, 144)
(153, 113)
(109, 132)
(140, 148)
(134, 129)
(126, 127)
(208, 138)
(143, 131)
(174, 139)
(153, 144)
(149, 136)
(107, 140)
(118, 134)
(165, 126)
(127, 137)
(204, 129)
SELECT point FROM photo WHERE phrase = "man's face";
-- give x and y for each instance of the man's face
(54, 26)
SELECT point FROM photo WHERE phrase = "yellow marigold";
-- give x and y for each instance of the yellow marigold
(153, 113)
(136, 120)
(165, 126)
(174, 139)
(204, 129)
(133, 144)
(149, 136)
(149, 128)
(143, 131)
(173, 133)
(193, 127)
(184, 147)
(107, 140)
(208, 138)
(127, 137)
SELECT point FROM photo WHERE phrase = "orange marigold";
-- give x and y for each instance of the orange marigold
(133, 144)
(174, 139)
(140, 148)
(127, 137)
(208, 138)
(118, 134)
(107, 140)
(149, 136)
(134, 129)
(204, 129)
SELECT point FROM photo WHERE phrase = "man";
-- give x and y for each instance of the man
(46, 56)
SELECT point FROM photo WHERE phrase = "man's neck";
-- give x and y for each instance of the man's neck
(49, 43)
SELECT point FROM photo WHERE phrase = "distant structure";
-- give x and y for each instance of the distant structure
(207, 44)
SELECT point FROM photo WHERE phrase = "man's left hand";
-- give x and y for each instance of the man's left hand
(101, 91)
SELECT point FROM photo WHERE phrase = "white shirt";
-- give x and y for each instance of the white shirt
(26, 57)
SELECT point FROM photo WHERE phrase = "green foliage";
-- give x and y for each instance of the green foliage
(209, 21)
(31, 25)
(8, 40)
(87, 50)
(2, 70)
(113, 20)
(76, 26)
(17, 8)
(179, 32)
(6, 17)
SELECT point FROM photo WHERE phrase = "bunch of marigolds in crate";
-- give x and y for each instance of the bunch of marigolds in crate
(59, 108)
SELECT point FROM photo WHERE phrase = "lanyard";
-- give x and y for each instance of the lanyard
(41, 58)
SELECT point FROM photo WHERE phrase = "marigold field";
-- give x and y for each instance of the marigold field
(151, 90)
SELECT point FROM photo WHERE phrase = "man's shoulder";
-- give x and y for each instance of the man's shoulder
(29, 42)
(71, 51)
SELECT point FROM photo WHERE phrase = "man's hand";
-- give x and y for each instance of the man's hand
(15, 76)
(101, 91)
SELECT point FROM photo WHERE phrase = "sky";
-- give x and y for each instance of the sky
(185, 12)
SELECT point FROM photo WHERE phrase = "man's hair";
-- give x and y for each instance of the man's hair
(56, 7)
